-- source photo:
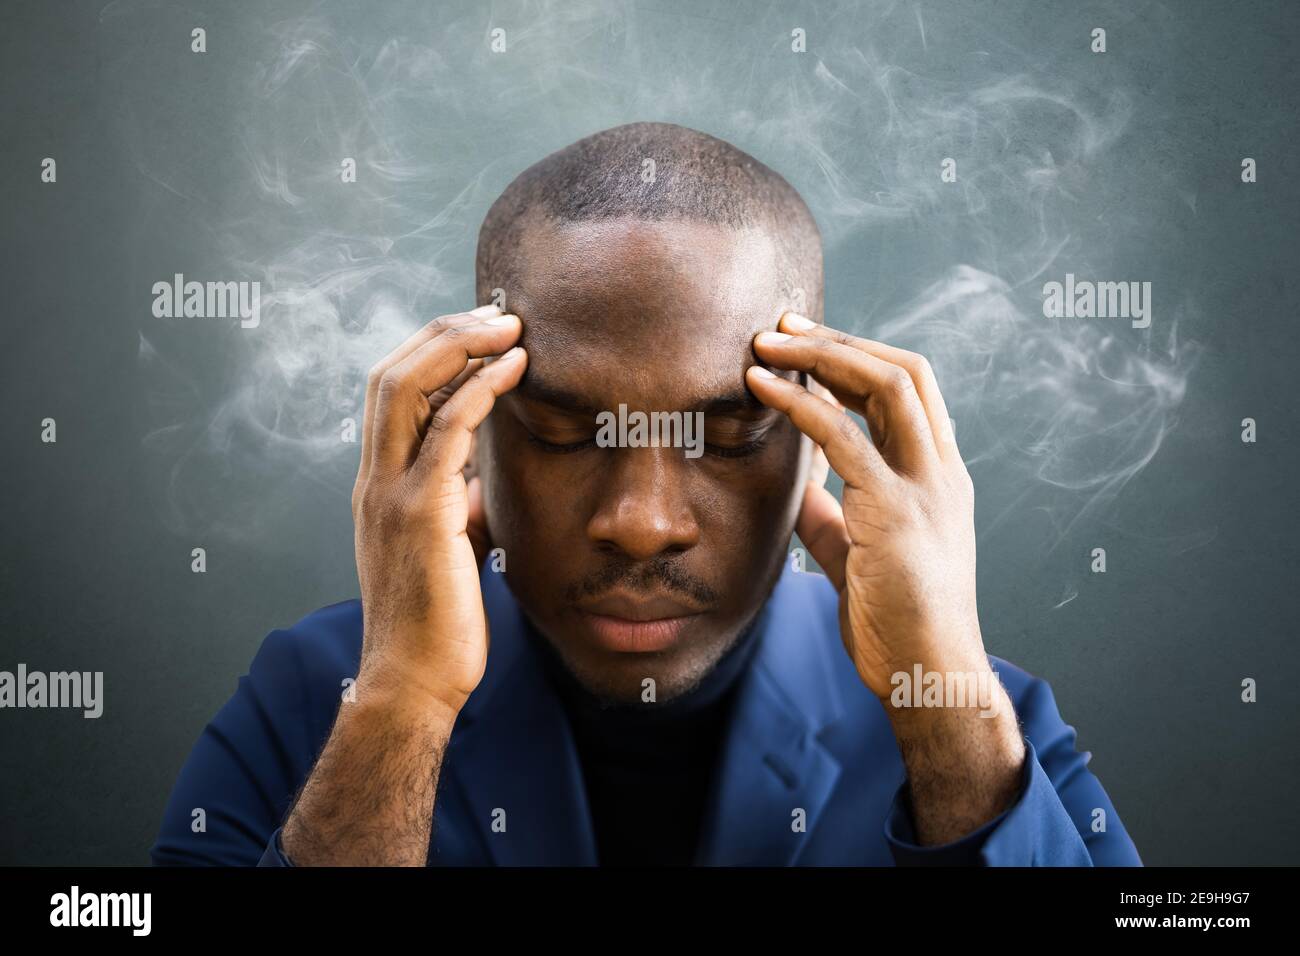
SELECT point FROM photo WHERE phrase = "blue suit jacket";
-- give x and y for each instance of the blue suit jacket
(806, 734)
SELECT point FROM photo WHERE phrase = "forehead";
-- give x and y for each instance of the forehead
(657, 312)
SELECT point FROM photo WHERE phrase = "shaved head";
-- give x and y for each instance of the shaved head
(654, 172)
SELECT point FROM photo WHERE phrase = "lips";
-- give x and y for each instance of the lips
(626, 623)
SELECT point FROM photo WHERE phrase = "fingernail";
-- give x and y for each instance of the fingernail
(483, 311)
(772, 338)
(502, 320)
(793, 320)
(761, 372)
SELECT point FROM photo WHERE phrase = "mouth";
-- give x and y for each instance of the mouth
(625, 623)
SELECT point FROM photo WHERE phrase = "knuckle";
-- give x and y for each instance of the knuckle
(847, 431)
(898, 382)
(477, 381)
(822, 352)
(480, 384)
(454, 333)
(391, 385)
(439, 426)
(444, 324)
(920, 366)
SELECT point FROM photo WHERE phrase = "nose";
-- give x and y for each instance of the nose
(646, 509)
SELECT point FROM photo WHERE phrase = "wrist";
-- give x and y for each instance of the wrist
(391, 690)
(928, 687)
(962, 770)
(956, 718)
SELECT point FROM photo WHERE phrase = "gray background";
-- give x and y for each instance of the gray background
(174, 434)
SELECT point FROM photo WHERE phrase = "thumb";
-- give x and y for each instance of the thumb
(821, 528)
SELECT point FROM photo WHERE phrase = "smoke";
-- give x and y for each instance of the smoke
(1068, 404)
(1062, 411)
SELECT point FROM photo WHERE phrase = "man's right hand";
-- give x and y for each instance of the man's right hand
(425, 629)
(369, 798)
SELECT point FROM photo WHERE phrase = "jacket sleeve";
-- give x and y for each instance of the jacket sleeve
(241, 776)
(274, 855)
(1062, 816)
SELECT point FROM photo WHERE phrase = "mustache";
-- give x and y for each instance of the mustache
(658, 576)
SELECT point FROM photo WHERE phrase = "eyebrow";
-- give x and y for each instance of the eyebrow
(539, 390)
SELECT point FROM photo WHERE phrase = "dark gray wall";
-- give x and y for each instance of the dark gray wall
(1083, 433)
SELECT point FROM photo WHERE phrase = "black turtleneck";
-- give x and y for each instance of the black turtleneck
(648, 767)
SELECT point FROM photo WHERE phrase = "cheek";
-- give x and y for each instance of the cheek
(505, 492)
(525, 494)
(755, 507)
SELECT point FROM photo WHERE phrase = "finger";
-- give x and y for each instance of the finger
(821, 527)
(852, 456)
(412, 342)
(916, 365)
(450, 433)
(883, 393)
(437, 399)
(402, 411)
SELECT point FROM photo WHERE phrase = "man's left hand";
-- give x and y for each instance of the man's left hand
(901, 553)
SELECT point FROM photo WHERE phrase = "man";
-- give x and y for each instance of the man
(577, 650)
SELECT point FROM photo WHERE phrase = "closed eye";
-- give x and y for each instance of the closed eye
(560, 449)
(737, 451)
(718, 451)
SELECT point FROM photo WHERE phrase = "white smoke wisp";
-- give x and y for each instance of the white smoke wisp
(1058, 415)
(346, 272)
(1071, 404)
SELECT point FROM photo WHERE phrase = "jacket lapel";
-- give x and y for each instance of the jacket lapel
(774, 770)
(513, 757)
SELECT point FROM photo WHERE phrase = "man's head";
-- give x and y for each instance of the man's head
(642, 261)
